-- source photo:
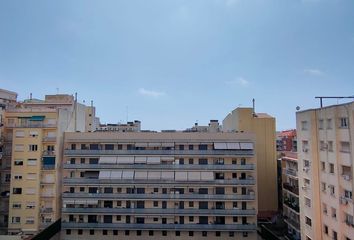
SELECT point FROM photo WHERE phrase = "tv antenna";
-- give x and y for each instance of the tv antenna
(322, 97)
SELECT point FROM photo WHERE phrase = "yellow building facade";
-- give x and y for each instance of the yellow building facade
(263, 126)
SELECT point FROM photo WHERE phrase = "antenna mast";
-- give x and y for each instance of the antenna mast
(322, 97)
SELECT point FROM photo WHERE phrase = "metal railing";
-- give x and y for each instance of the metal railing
(31, 125)
(291, 188)
(230, 167)
(146, 226)
(290, 171)
(159, 152)
(49, 139)
(157, 196)
(159, 211)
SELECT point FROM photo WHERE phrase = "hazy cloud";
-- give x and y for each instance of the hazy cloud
(150, 93)
(314, 72)
(239, 81)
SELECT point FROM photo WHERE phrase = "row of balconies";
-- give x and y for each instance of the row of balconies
(159, 211)
(156, 196)
(146, 226)
(227, 167)
(31, 124)
(172, 152)
(292, 204)
(87, 181)
(291, 188)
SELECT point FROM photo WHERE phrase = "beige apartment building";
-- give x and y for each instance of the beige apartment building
(33, 134)
(159, 185)
(325, 152)
(7, 99)
(263, 126)
(290, 194)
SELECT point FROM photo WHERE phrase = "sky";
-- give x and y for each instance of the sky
(173, 63)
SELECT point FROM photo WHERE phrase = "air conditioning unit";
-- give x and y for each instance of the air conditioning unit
(306, 169)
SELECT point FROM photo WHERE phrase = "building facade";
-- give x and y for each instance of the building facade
(290, 194)
(263, 126)
(158, 185)
(325, 138)
(33, 133)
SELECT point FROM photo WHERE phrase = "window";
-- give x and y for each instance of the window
(191, 219)
(234, 189)
(156, 219)
(108, 190)
(307, 202)
(17, 190)
(115, 232)
(331, 190)
(203, 161)
(119, 218)
(330, 146)
(331, 168)
(30, 205)
(204, 234)
(235, 219)
(335, 237)
(306, 163)
(345, 147)
(178, 233)
(33, 147)
(20, 134)
(151, 233)
(231, 234)
(181, 161)
(92, 232)
(104, 232)
(191, 233)
(217, 234)
(305, 146)
(329, 123)
(164, 233)
(18, 162)
(323, 166)
(333, 213)
(203, 147)
(304, 125)
(324, 207)
(349, 219)
(68, 231)
(234, 175)
(191, 204)
(323, 146)
(16, 205)
(18, 177)
(127, 232)
(343, 122)
(29, 220)
(320, 124)
(323, 186)
(16, 220)
(348, 194)
(190, 161)
(79, 231)
(308, 221)
(156, 203)
(19, 148)
(32, 162)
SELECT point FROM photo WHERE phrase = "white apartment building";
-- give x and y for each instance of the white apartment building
(325, 157)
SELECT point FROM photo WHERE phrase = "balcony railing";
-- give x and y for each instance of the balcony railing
(227, 167)
(157, 196)
(86, 181)
(291, 188)
(293, 205)
(49, 139)
(31, 125)
(295, 224)
(290, 171)
(48, 167)
(160, 152)
(46, 210)
(135, 226)
(48, 153)
(47, 195)
(159, 211)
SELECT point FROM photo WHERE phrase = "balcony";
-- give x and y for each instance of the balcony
(293, 223)
(34, 124)
(292, 205)
(291, 188)
(159, 211)
(46, 210)
(227, 167)
(290, 171)
(48, 153)
(245, 153)
(185, 227)
(87, 181)
(156, 196)
(49, 139)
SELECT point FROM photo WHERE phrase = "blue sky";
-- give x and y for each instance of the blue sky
(171, 63)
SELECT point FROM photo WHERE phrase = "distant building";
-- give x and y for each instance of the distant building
(325, 139)
(120, 127)
(286, 140)
(263, 126)
(159, 185)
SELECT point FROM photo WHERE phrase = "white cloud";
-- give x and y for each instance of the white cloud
(314, 72)
(150, 93)
(239, 81)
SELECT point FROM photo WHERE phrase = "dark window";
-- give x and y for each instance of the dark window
(181, 147)
(17, 190)
(190, 147)
(140, 190)
(127, 232)
(120, 146)
(191, 233)
(72, 160)
(68, 231)
(151, 233)
(231, 234)
(104, 232)
(119, 190)
(140, 204)
(203, 205)
(204, 234)
(234, 189)
(119, 203)
(109, 147)
(156, 203)
(181, 161)
(72, 189)
(191, 204)
(235, 219)
(164, 233)
(156, 219)
(93, 146)
(93, 189)
(83, 146)
(191, 161)
(73, 146)
(203, 147)
(164, 221)
(156, 190)
(191, 219)
(82, 189)
(93, 161)
(234, 204)
(234, 161)
(245, 234)
(219, 190)
(82, 160)
(178, 233)
(219, 176)
(138, 232)
(130, 190)
(107, 218)
(115, 232)
(234, 175)
(203, 191)
(164, 190)
(79, 232)
(119, 218)
(108, 190)
(217, 234)
(130, 147)
(92, 232)
(203, 161)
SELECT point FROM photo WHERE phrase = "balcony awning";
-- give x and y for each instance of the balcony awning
(246, 145)
(37, 118)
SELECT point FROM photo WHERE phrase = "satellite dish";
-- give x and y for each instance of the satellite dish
(297, 108)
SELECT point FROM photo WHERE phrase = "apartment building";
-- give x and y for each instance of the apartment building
(263, 126)
(159, 185)
(325, 158)
(33, 136)
(290, 194)
(7, 99)
(121, 127)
